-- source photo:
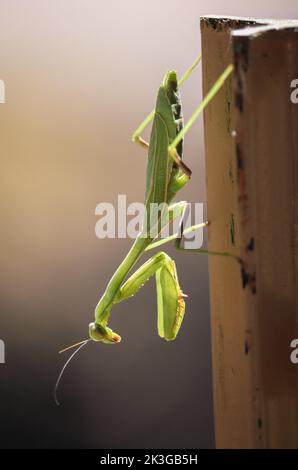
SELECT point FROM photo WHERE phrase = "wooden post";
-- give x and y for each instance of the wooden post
(251, 139)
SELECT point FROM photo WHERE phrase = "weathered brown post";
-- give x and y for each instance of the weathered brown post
(251, 139)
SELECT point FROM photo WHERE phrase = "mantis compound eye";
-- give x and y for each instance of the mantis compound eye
(103, 333)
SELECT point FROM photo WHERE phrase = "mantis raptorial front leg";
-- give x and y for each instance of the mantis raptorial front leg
(163, 266)
(170, 302)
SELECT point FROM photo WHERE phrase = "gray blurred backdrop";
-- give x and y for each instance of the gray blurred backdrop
(80, 75)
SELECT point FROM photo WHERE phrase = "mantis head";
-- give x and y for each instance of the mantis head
(103, 333)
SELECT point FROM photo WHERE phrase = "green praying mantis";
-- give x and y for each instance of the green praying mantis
(166, 175)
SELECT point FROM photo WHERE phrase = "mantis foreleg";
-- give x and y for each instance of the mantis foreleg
(114, 291)
(170, 302)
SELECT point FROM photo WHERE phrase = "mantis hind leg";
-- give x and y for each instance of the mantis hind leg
(172, 149)
(206, 100)
(136, 137)
(170, 298)
(143, 143)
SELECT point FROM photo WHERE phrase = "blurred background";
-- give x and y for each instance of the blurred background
(80, 76)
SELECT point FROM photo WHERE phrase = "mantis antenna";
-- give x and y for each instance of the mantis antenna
(81, 344)
(73, 346)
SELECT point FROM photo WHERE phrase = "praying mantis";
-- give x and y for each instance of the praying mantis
(166, 175)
